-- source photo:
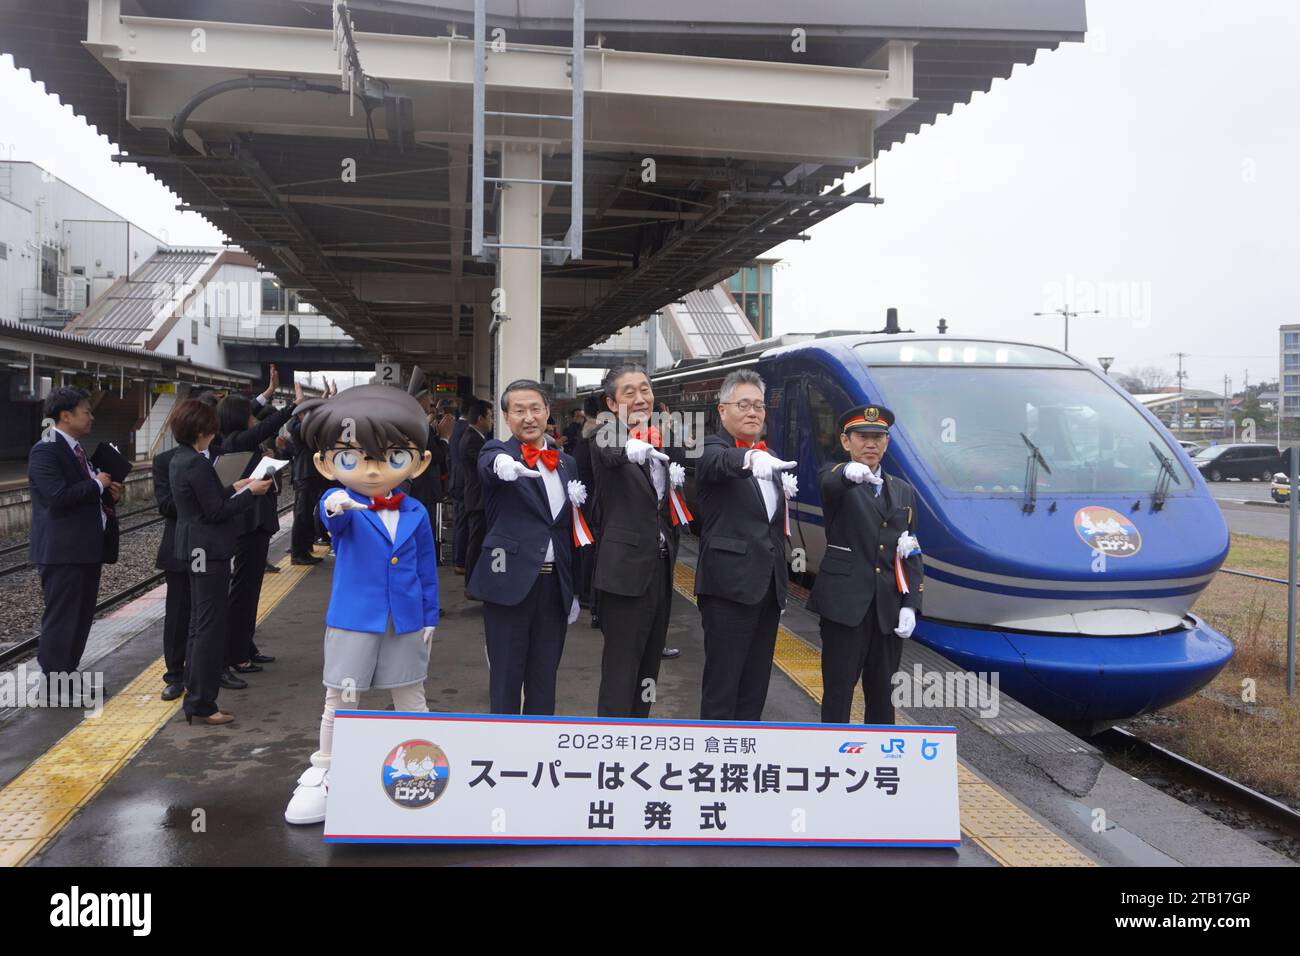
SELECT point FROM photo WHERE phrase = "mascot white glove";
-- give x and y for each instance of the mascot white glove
(507, 469)
(336, 502)
(428, 635)
(906, 622)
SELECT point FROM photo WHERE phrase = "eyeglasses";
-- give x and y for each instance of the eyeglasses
(747, 406)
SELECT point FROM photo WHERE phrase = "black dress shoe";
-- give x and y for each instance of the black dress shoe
(272, 568)
(262, 659)
(310, 559)
(230, 682)
(172, 691)
(249, 668)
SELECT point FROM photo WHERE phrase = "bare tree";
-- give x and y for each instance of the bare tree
(1148, 378)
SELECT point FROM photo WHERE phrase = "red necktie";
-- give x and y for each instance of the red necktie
(386, 504)
(550, 457)
(109, 510)
(757, 446)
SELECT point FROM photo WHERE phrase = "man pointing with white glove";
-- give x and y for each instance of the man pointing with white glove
(868, 588)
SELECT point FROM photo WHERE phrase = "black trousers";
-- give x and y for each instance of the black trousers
(459, 535)
(475, 532)
(249, 567)
(70, 592)
(176, 625)
(739, 640)
(862, 652)
(205, 654)
(635, 629)
(305, 496)
(524, 645)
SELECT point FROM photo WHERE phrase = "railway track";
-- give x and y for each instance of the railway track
(26, 647)
(21, 547)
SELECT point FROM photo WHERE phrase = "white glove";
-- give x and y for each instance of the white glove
(764, 465)
(857, 473)
(574, 611)
(338, 501)
(906, 622)
(507, 469)
(638, 451)
(428, 635)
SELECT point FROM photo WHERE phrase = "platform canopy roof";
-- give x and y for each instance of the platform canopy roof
(752, 125)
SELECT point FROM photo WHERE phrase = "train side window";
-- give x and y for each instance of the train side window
(823, 417)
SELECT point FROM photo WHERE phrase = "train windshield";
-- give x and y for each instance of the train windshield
(966, 423)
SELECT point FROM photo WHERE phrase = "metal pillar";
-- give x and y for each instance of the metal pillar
(481, 370)
(519, 270)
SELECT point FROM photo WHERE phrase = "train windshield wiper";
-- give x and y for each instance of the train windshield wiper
(1162, 482)
(1032, 464)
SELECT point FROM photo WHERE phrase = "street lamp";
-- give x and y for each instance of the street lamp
(1106, 361)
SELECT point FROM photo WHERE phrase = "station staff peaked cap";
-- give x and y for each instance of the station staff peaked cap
(867, 418)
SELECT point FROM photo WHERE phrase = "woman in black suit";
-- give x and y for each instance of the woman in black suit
(206, 533)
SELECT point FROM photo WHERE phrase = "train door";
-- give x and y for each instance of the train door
(822, 404)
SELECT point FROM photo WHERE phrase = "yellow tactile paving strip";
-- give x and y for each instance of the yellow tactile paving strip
(1004, 830)
(41, 800)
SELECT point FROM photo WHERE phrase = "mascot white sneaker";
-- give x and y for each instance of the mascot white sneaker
(307, 805)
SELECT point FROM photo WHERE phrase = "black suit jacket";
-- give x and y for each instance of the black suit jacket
(457, 489)
(427, 487)
(519, 522)
(67, 508)
(631, 519)
(862, 534)
(206, 514)
(262, 516)
(472, 487)
(162, 493)
(741, 549)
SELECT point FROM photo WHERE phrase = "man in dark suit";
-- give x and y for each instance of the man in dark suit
(74, 528)
(307, 487)
(582, 455)
(527, 571)
(460, 527)
(480, 426)
(868, 589)
(638, 544)
(741, 575)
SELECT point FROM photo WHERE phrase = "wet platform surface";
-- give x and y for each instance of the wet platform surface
(1020, 804)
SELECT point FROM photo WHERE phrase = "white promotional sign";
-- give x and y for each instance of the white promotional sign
(476, 778)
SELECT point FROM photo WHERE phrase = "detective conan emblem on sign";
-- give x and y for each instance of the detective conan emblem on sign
(1107, 531)
(415, 774)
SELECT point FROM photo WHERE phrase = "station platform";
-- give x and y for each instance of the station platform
(137, 786)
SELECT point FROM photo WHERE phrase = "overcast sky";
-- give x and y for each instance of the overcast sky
(1150, 172)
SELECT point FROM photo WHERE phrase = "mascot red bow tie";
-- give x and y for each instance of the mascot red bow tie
(386, 504)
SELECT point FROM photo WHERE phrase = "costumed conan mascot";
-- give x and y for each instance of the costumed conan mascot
(384, 601)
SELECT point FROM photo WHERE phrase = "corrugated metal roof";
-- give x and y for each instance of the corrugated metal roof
(708, 322)
(134, 307)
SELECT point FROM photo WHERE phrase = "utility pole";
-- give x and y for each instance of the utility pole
(1227, 387)
(1067, 314)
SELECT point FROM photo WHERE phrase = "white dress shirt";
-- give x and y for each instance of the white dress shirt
(90, 472)
(555, 495)
(770, 494)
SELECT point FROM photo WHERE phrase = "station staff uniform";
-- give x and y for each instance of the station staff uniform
(858, 592)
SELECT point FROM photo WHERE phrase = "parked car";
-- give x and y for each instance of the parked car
(1281, 488)
(1254, 462)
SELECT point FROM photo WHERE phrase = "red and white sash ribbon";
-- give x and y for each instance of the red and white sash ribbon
(581, 533)
(681, 514)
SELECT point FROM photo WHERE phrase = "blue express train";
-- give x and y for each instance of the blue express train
(1065, 533)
